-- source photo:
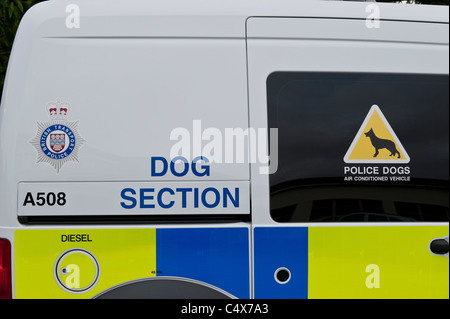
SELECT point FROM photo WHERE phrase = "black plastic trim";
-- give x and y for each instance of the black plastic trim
(108, 220)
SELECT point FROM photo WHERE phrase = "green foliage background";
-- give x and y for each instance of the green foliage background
(11, 12)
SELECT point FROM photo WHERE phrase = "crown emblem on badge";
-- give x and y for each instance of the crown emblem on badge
(57, 141)
(58, 110)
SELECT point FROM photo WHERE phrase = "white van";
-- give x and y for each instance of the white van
(134, 150)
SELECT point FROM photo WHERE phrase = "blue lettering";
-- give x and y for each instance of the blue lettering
(160, 166)
(153, 166)
(205, 168)
(216, 193)
(167, 197)
(227, 194)
(143, 197)
(195, 197)
(128, 198)
(183, 195)
(172, 166)
(160, 202)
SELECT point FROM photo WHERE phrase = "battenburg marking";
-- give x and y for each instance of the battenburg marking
(57, 141)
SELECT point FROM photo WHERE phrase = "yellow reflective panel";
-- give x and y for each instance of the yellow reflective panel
(376, 262)
(80, 263)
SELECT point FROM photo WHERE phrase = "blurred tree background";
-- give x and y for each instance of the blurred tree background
(11, 12)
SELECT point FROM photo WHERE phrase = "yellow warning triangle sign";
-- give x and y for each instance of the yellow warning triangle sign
(376, 142)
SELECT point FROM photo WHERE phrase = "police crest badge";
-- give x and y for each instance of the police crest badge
(58, 140)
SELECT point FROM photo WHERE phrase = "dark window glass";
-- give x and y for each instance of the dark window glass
(374, 206)
(321, 210)
(409, 210)
(284, 214)
(318, 116)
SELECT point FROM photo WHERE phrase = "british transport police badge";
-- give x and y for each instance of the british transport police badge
(57, 141)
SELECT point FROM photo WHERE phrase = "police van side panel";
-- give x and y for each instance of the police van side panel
(90, 119)
(358, 204)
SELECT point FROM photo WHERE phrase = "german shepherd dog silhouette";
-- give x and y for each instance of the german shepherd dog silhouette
(380, 143)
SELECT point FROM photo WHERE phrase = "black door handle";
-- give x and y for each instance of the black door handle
(439, 246)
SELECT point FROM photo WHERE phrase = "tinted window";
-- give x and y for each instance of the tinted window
(319, 115)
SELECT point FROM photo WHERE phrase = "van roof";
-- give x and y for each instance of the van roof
(202, 18)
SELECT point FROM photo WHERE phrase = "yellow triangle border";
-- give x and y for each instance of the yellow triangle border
(404, 160)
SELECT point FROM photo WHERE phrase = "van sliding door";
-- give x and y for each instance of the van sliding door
(359, 197)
